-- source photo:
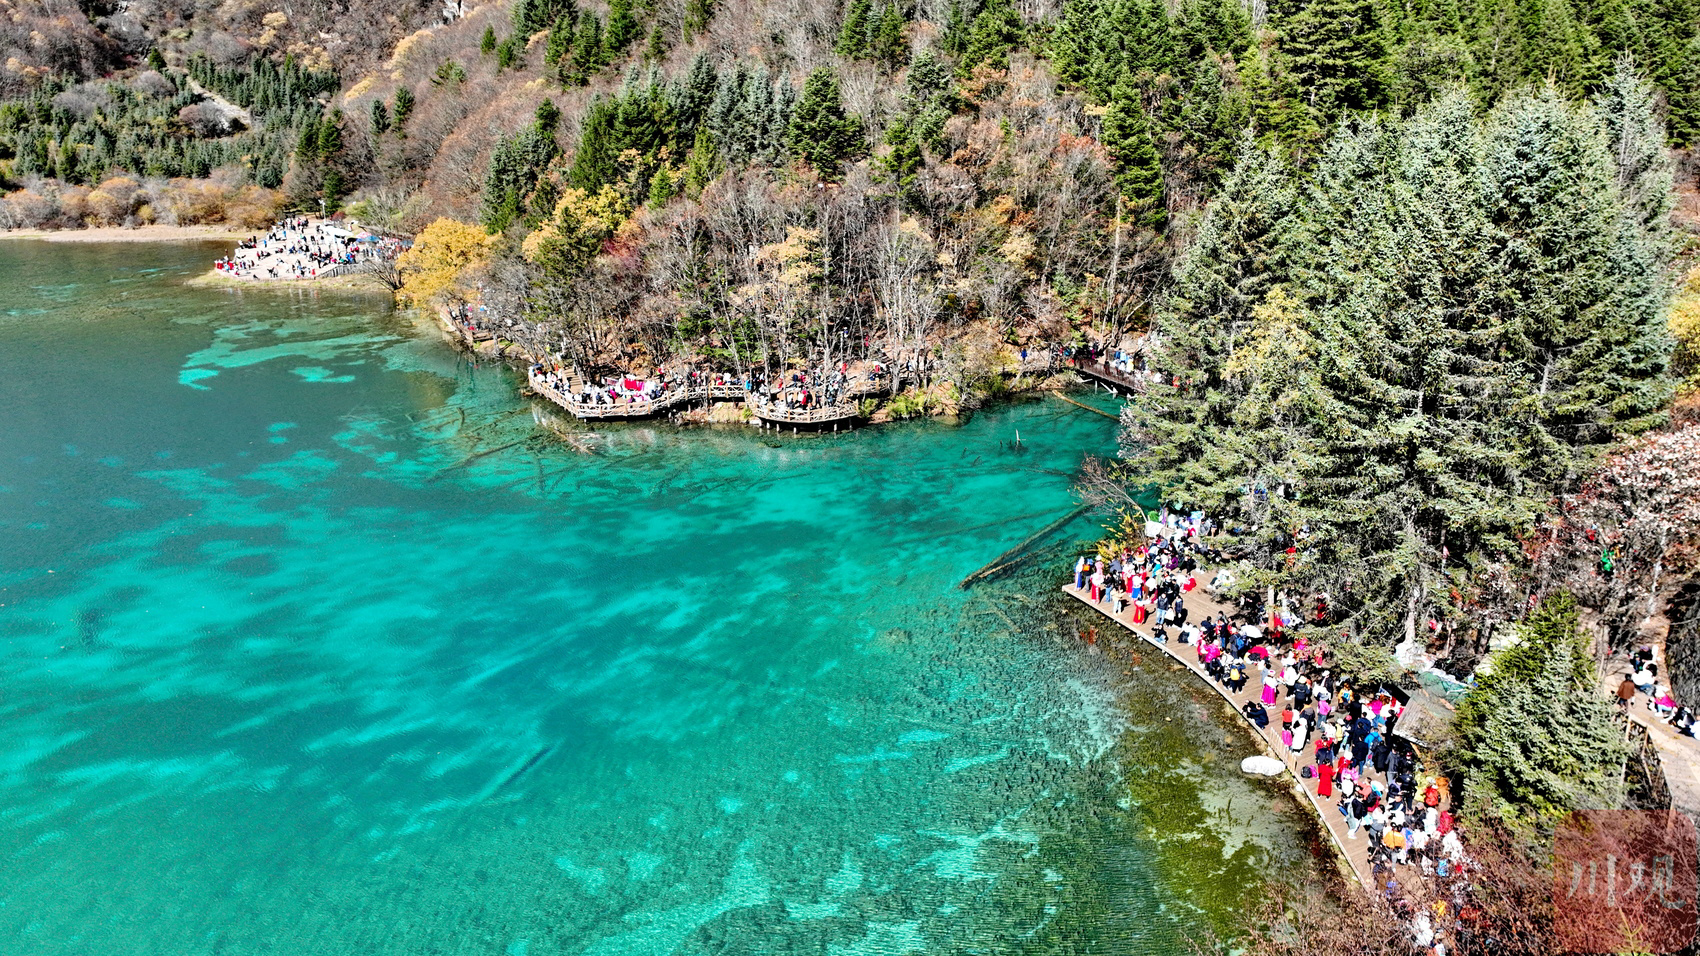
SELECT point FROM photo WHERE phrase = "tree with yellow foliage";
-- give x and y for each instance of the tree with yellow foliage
(436, 269)
(1685, 328)
(574, 235)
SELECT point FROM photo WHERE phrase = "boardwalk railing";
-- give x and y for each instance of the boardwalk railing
(1642, 748)
(1326, 813)
(780, 412)
(1110, 375)
(769, 411)
(672, 398)
(765, 409)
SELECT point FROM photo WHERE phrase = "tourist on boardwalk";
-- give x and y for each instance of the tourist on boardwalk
(1340, 734)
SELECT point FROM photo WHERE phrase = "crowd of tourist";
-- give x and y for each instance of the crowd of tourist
(811, 388)
(628, 389)
(302, 248)
(1339, 733)
(1643, 678)
(801, 390)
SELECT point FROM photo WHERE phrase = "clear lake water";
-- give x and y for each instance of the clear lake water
(315, 643)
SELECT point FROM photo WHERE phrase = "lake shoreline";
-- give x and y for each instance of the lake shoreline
(153, 233)
(357, 284)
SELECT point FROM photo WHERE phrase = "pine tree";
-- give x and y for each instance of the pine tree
(334, 189)
(487, 43)
(1221, 26)
(820, 132)
(697, 15)
(1338, 51)
(1621, 373)
(560, 41)
(594, 163)
(449, 72)
(1279, 108)
(403, 108)
(763, 138)
(663, 186)
(330, 135)
(380, 118)
(889, 46)
(1176, 430)
(622, 29)
(730, 133)
(1074, 42)
(693, 96)
(547, 117)
(1552, 44)
(701, 164)
(853, 36)
(1149, 45)
(587, 51)
(1553, 200)
(1212, 112)
(1536, 738)
(527, 14)
(994, 32)
(1457, 317)
(156, 59)
(904, 161)
(1140, 174)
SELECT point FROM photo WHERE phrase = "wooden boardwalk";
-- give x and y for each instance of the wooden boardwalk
(1679, 756)
(764, 412)
(1353, 852)
(1108, 375)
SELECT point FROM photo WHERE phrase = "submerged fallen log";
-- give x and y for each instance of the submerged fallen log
(1009, 557)
(472, 458)
(1026, 557)
(1097, 411)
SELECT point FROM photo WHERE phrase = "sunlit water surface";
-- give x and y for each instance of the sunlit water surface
(315, 643)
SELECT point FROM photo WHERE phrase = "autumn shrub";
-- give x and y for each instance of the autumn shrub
(1685, 328)
(26, 209)
(74, 206)
(253, 206)
(114, 201)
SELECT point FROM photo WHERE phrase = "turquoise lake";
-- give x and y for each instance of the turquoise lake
(315, 642)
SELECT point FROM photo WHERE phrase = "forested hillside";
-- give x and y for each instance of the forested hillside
(1139, 104)
(782, 185)
(774, 184)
